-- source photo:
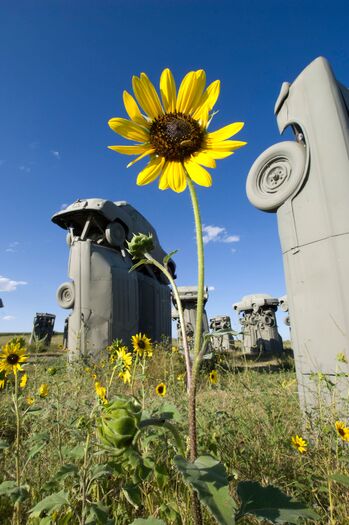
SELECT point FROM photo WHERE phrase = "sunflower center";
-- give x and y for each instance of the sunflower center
(141, 344)
(176, 136)
(13, 359)
(341, 431)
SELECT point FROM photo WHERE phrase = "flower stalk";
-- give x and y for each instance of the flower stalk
(17, 509)
(164, 270)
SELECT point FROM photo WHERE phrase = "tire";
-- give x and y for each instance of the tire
(115, 234)
(275, 175)
(66, 295)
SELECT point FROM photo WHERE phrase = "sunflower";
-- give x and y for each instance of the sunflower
(142, 345)
(11, 357)
(125, 376)
(299, 443)
(24, 380)
(342, 430)
(43, 390)
(124, 356)
(173, 131)
(30, 400)
(101, 392)
(213, 377)
(161, 389)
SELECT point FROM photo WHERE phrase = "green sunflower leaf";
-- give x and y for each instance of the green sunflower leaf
(140, 263)
(148, 521)
(68, 469)
(50, 504)
(208, 478)
(340, 478)
(270, 503)
(168, 257)
(9, 488)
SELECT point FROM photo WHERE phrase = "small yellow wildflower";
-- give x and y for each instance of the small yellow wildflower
(213, 377)
(174, 349)
(180, 377)
(124, 356)
(142, 345)
(125, 376)
(101, 392)
(341, 358)
(24, 380)
(2, 383)
(30, 400)
(43, 390)
(299, 443)
(11, 357)
(342, 431)
(161, 389)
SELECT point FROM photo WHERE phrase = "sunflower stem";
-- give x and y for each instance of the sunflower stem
(17, 508)
(164, 270)
(197, 515)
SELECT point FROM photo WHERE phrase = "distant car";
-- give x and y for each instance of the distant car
(108, 301)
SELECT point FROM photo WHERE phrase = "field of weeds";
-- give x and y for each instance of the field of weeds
(247, 417)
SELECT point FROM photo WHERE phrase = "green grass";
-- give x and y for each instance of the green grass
(246, 421)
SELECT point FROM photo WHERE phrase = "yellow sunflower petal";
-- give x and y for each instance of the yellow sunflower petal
(218, 154)
(205, 159)
(198, 174)
(129, 130)
(190, 91)
(150, 172)
(168, 90)
(208, 100)
(226, 132)
(149, 152)
(163, 184)
(174, 177)
(147, 96)
(226, 145)
(132, 109)
(131, 150)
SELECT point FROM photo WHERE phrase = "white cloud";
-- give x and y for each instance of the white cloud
(211, 288)
(8, 285)
(12, 246)
(231, 238)
(217, 234)
(233, 250)
(212, 233)
(56, 154)
(26, 169)
(8, 318)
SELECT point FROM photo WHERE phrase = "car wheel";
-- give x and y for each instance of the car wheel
(66, 295)
(275, 175)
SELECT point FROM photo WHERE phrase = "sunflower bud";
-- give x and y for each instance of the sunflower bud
(119, 422)
(140, 244)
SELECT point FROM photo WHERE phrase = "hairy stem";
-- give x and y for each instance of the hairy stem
(197, 515)
(180, 314)
(17, 508)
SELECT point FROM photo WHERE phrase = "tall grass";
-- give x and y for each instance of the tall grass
(246, 421)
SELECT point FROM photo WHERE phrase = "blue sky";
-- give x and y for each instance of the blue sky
(64, 66)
